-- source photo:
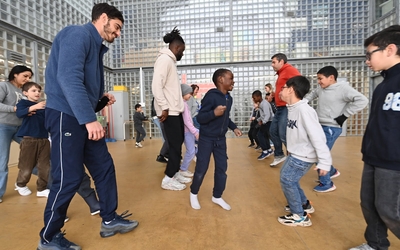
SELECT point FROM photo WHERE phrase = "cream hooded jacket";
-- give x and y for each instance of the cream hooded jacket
(166, 87)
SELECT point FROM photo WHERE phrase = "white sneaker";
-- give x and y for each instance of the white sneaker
(138, 145)
(44, 193)
(24, 191)
(1, 200)
(364, 246)
(186, 173)
(277, 160)
(172, 184)
(182, 179)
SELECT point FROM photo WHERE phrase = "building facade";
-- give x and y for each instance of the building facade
(241, 35)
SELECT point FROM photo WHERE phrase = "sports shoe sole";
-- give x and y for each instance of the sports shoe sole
(108, 232)
(173, 189)
(95, 212)
(337, 174)
(302, 224)
(333, 188)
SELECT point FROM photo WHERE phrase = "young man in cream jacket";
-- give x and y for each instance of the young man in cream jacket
(169, 106)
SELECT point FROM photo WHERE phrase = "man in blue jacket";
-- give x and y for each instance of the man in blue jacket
(74, 85)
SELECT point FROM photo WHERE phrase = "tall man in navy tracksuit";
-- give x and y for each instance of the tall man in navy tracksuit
(214, 123)
(74, 85)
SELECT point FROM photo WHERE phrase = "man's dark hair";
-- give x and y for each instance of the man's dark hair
(173, 37)
(17, 70)
(328, 71)
(390, 35)
(257, 93)
(29, 85)
(137, 106)
(280, 57)
(300, 85)
(218, 73)
(111, 11)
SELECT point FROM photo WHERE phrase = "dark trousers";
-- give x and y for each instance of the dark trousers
(34, 151)
(263, 136)
(380, 199)
(140, 133)
(164, 148)
(174, 130)
(216, 146)
(70, 150)
(253, 133)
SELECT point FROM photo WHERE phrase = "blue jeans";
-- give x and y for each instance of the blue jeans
(190, 150)
(196, 124)
(291, 172)
(7, 135)
(380, 199)
(277, 131)
(156, 121)
(331, 134)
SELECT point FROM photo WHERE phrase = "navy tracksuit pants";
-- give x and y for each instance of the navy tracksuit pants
(70, 151)
(206, 146)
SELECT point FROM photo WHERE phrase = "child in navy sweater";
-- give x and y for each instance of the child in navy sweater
(214, 123)
(35, 146)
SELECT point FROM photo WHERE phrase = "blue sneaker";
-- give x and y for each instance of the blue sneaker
(265, 155)
(59, 242)
(321, 188)
(118, 225)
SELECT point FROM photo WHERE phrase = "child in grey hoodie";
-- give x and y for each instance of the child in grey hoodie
(337, 100)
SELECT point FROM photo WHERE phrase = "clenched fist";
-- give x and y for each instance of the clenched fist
(219, 111)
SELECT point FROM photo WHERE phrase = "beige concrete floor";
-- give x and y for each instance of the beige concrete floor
(168, 222)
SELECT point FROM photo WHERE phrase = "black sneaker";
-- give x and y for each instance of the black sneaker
(118, 225)
(251, 145)
(161, 159)
(58, 242)
(307, 208)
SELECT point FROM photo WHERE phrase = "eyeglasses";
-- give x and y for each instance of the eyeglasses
(283, 87)
(267, 94)
(369, 54)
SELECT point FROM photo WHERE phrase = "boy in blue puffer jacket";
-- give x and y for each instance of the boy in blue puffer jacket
(214, 120)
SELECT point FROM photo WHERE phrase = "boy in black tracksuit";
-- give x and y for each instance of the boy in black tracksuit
(214, 120)
(138, 119)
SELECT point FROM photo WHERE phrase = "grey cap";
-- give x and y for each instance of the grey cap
(186, 89)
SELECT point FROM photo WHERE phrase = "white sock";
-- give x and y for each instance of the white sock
(194, 202)
(221, 202)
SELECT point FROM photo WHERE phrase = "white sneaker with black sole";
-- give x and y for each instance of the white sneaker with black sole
(294, 220)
